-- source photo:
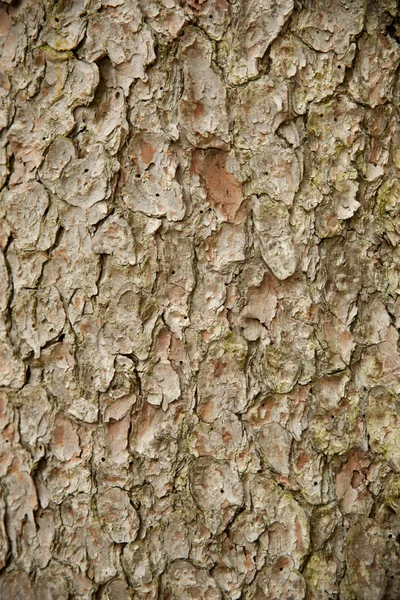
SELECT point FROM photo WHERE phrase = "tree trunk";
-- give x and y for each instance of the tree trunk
(199, 296)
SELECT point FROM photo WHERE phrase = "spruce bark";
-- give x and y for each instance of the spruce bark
(199, 300)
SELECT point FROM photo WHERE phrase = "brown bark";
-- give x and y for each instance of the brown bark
(199, 299)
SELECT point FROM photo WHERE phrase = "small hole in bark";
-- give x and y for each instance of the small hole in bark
(185, 317)
(315, 482)
(181, 362)
(210, 16)
(339, 66)
(86, 171)
(57, 20)
(157, 195)
(281, 568)
(44, 139)
(332, 416)
(390, 536)
(173, 272)
(7, 441)
(103, 459)
(117, 95)
(321, 115)
(161, 88)
(335, 119)
(201, 212)
(392, 577)
(138, 175)
(222, 490)
(209, 210)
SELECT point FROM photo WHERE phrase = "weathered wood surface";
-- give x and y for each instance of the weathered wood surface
(199, 296)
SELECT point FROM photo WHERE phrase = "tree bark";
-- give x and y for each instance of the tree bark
(199, 299)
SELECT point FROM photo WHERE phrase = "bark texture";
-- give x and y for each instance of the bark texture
(199, 300)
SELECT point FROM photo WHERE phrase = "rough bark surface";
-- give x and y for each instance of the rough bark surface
(199, 300)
